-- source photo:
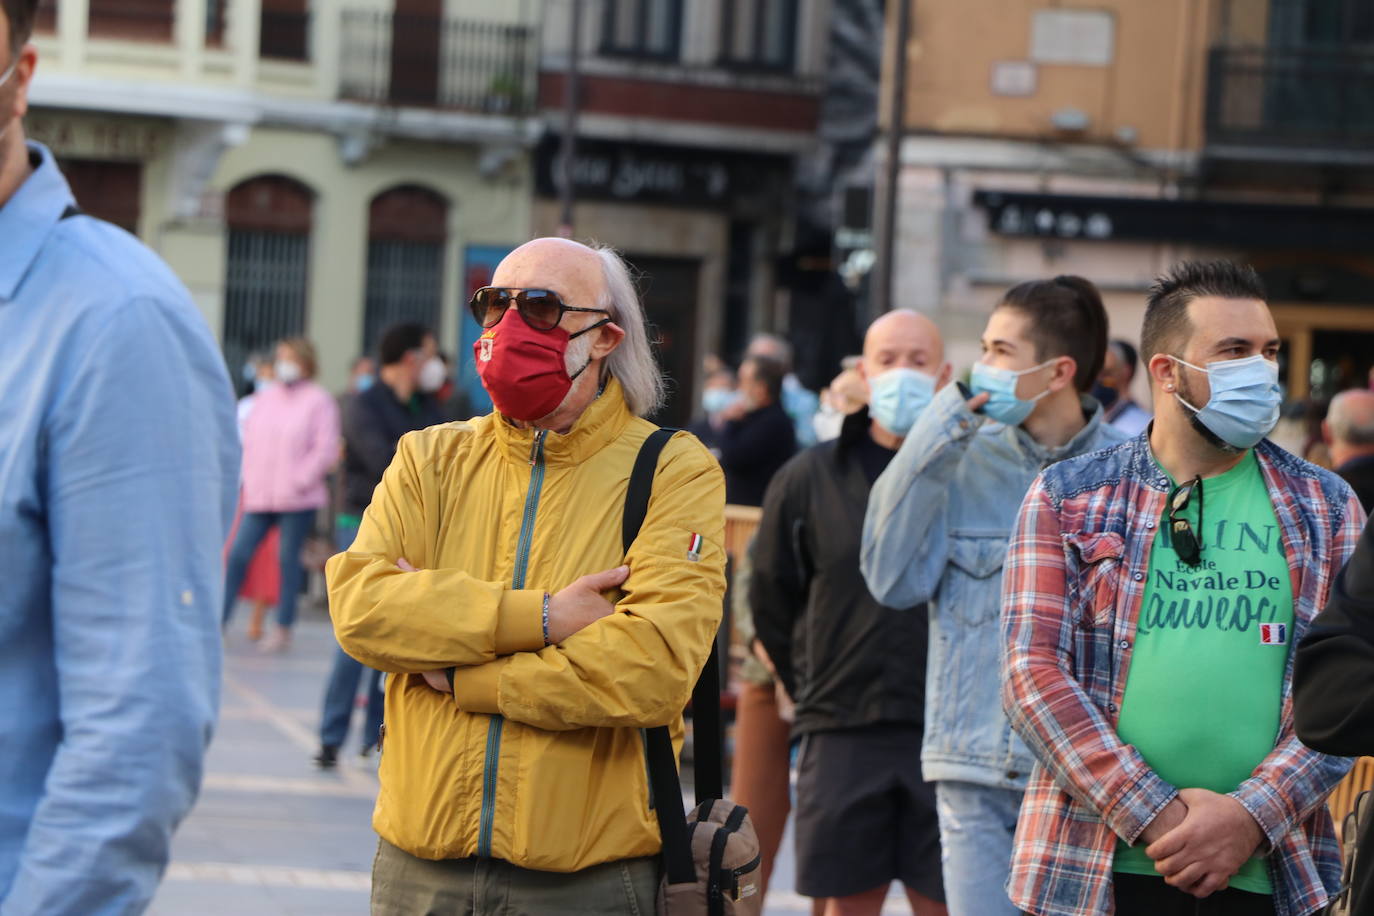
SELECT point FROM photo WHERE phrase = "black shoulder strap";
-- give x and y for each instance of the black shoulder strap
(72, 210)
(706, 728)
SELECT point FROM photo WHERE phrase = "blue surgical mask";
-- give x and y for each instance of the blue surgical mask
(1245, 400)
(364, 382)
(714, 400)
(1003, 405)
(897, 398)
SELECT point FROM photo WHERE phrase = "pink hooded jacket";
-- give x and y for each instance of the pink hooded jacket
(290, 442)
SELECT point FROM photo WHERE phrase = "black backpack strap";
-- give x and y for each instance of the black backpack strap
(664, 783)
(642, 485)
(72, 210)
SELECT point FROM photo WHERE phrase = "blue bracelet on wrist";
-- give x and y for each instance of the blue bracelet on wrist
(546, 618)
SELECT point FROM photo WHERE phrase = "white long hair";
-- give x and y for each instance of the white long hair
(633, 361)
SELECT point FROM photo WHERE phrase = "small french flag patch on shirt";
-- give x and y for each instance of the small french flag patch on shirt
(1273, 634)
(694, 547)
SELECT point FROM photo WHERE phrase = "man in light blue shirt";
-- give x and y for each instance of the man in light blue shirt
(118, 474)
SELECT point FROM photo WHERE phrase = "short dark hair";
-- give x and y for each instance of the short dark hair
(768, 371)
(400, 339)
(20, 14)
(1166, 314)
(1066, 318)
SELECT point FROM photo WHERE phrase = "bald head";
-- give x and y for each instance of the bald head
(569, 268)
(1350, 425)
(907, 339)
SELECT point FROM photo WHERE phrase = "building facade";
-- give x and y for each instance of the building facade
(692, 116)
(1114, 138)
(321, 169)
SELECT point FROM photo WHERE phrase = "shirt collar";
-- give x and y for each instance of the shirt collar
(28, 217)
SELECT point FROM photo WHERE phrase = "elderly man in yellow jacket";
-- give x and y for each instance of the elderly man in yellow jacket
(526, 651)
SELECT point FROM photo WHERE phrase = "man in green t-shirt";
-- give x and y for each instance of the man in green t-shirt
(1152, 596)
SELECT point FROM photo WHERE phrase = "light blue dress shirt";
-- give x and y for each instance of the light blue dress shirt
(118, 476)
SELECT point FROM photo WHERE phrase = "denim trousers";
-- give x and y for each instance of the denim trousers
(295, 528)
(977, 825)
(342, 691)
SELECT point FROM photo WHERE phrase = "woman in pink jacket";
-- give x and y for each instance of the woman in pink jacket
(290, 443)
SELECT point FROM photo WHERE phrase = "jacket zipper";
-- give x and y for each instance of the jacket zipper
(498, 722)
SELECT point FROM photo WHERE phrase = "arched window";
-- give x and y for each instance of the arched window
(406, 232)
(269, 219)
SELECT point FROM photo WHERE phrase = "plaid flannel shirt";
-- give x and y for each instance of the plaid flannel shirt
(1075, 580)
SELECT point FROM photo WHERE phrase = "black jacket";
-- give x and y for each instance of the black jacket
(1359, 473)
(1333, 688)
(373, 422)
(752, 449)
(845, 659)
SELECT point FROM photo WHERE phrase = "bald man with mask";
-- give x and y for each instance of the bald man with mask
(864, 816)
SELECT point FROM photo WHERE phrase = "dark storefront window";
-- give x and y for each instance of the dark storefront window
(668, 287)
(759, 34)
(407, 230)
(642, 28)
(270, 220)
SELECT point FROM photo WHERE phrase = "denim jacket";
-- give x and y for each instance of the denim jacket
(938, 524)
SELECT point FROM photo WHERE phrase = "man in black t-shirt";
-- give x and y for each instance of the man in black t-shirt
(855, 668)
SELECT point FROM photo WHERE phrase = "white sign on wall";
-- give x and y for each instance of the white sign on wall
(1083, 37)
(1013, 77)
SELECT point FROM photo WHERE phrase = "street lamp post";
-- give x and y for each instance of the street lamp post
(886, 203)
(568, 148)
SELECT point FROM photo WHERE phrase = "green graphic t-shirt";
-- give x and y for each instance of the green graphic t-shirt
(1205, 685)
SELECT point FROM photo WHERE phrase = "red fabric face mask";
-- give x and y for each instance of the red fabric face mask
(524, 370)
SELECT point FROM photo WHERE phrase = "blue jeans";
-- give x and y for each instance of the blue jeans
(295, 528)
(977, 825)
(343, 683)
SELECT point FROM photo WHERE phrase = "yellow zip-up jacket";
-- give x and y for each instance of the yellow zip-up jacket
(538, 756)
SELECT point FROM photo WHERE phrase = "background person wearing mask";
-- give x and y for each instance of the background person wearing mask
(118, 470)
(1349, 434)
(373, 422)
(799, 401)
(864, 817)
(1113, 389)
(756, 435)
(290, 443)
(717, 395)
(847, 393)
(938, 524)
(1153, 592)
(262, 583)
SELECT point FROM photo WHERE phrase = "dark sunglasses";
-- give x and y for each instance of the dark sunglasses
(1185, 540)
(542, 309)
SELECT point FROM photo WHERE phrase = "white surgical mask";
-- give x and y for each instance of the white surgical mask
(1244, 405)
(897, 398)
(287, 372)
(433, 374)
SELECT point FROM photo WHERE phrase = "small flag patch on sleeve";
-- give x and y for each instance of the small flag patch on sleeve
(1273, 634)
(694, 547)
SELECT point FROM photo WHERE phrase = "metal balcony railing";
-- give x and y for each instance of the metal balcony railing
(422, 61)
(1307, 98)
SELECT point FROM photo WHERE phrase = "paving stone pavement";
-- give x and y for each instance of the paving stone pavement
(274, 836)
